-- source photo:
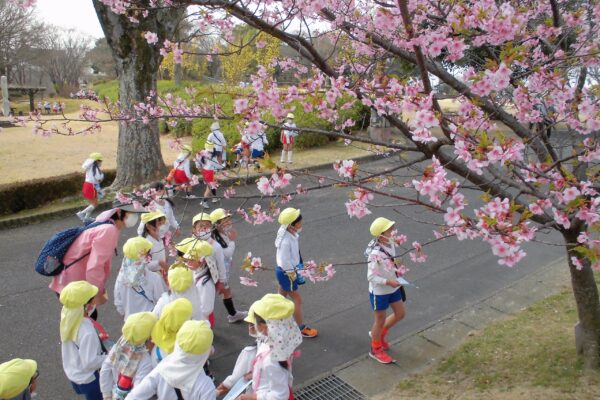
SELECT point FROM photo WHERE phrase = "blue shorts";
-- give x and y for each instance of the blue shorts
(381, 302)
(286, 283)
(258, 154)
(91, 390)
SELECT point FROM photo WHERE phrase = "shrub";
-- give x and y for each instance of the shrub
(35, 193)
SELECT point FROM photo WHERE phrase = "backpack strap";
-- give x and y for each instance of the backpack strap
(178, 393)
(101, 332)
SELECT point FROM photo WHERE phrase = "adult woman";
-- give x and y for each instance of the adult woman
(91, 185)
(18, 379)
(181, 374)
(90, 255)
(279, 337)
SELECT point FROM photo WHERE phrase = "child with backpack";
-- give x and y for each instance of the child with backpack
(384, 289)
(82, 349)
(128, 362)
(91, 187)
(137, 289)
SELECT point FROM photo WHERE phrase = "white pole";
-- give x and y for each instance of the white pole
(5, 102)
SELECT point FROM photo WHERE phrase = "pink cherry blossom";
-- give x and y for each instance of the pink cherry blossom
(244, 280)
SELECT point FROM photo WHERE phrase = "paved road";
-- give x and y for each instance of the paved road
(456, 274)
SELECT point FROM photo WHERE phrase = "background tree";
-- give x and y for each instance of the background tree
(139, 158)
(64, 58)
(101, 60)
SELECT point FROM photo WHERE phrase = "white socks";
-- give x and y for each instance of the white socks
(282, 156)
(289, 156)
(88, 210)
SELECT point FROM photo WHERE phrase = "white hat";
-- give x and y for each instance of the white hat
(215, 126)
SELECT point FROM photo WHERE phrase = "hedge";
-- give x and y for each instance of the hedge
(35, 193)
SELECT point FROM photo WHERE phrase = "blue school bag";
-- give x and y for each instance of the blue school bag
(50, 260)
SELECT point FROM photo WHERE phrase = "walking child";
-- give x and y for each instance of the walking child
(18, 379)
(128, 362)
(279, 338)
(164, 332)
(203, 230)
(287, 137)
(217, 138)
(183, 174)
(208, 163)
(181, 375)
(384, 289)
(137, 289)
(91, 187)
(81, 347)
(289, 262)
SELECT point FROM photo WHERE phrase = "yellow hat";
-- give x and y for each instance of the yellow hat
(187, 147)
(173, 316)
(194, 249)
(250, 317)
(380, 225)
(195, 337)
(200, 217)
(138, 327)
(290, 116)
(273, 307)
(218, 215)
(209, 146)
(201, 248)
(15, 376)
(180, 278)
(77, 294)
(288, 216)
(96, 156)
(135, 247)
(151, 216)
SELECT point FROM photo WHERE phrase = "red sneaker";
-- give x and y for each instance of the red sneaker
(381, 356)
(384, 344)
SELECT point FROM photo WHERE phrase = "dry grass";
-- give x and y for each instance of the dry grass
(528, 357)
(25, 156)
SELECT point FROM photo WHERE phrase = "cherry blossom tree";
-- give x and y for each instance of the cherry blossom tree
(524, 130)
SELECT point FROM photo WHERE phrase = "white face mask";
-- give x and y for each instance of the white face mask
(298, 231)
(261, 336)
(131, 220)
(162, 230)
(203, 235)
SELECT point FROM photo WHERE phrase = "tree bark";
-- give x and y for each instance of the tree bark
(139, 157)
(585, 291)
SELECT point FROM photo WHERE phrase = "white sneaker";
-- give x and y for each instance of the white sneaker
(191, 196)
(215, 200)
(239, 316)
(204, 204)
(81, 215)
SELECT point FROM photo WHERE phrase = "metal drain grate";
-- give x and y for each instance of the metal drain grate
(329, 388)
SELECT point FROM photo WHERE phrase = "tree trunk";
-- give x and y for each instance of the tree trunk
(585, 291)
(139, 157)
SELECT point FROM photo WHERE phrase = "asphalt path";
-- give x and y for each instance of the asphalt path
(455, 274)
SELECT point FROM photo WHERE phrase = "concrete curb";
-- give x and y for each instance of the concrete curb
(423, 348)
(69, 211)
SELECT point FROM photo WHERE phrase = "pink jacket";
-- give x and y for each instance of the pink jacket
(100, 242)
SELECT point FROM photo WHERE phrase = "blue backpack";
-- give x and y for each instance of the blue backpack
(50, 260)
